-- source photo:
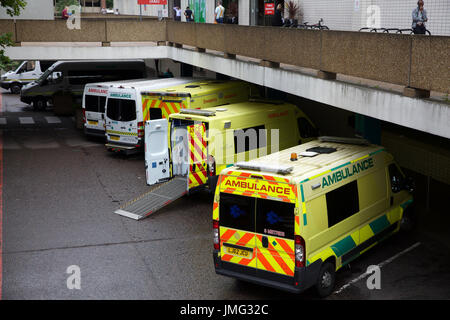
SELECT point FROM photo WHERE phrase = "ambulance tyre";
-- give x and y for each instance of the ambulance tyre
(326, 280)
(39, 104)
(15, 88)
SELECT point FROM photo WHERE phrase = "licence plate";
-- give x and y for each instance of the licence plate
(93, 122)
(115, 138)
(244, 253)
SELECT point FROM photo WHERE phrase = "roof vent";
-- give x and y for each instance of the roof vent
(192, 86)
(321, 150)
(357, 141)
(206, 113)
(309, 154)
(280, 169)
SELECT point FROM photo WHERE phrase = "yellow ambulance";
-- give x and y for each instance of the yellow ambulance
(128, 107)
(289, 220)
(158, 104)
(203, 142)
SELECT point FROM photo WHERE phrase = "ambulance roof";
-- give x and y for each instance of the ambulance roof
(111, 83)
(199, 87)
(149, 84)
(229, 111)
(307, 166)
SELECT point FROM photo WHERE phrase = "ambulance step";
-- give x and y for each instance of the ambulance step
(155, 199)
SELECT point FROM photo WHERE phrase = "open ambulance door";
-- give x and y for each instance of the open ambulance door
(157, 160)
(197, 154)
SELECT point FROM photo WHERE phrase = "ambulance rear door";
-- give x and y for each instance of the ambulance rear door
(198, 154)
(157, 161)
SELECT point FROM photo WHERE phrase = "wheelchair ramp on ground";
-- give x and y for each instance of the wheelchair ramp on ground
(155, 199)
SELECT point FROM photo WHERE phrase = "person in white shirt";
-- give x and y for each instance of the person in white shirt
(177, 13)
(220, 12)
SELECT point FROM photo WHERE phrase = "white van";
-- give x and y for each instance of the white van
(94, 102)
(27, 72)
(123, 114)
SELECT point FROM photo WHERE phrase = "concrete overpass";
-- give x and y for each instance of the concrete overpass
(384, 76)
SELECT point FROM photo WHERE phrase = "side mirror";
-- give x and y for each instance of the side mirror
(55, 76)
(396, 184)
(409, 184)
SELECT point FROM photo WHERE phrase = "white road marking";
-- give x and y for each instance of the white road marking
(2, 121)
(26, 120)
(380, 265)
(53, 120)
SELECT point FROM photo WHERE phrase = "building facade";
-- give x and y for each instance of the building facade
(34, 10)
(346, 15)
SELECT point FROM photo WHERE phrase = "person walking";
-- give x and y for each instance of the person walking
(419, 17)
(189, 14)
(177, 16)
(219, 12)
(277, 20)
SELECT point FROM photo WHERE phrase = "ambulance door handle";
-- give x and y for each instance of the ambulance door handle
(265, 242)
(392, 200)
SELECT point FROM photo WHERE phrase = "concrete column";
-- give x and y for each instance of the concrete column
(210, 6)
(187, 70)
(244, 12)
(369, 128)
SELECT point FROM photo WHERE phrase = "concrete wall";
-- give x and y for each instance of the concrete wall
(415, 61)
(35, 9)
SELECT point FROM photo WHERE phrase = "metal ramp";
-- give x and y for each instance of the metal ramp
(155, 199)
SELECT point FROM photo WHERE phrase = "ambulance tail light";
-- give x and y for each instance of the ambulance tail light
(216, 235)
(300, 252)
(140, 129)
(211, 166)
(84, 115)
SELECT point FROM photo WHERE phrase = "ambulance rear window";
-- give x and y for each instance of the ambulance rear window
(121, 110)
(275, 218)
(95, 103)
(237, 212)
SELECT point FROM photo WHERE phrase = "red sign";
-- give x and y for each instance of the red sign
(269, 9)
(152, 2)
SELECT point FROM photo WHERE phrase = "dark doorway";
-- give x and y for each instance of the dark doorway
(231, 11)
(262, 19)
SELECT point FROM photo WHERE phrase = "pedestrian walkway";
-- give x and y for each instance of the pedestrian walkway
(38, 119)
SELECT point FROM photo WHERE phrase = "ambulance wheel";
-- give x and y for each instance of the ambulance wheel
(39, 104)
(15, 88)
(326, 280)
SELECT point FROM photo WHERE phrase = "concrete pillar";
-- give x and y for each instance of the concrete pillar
(187, 70)
(369, 128)
(244, 12)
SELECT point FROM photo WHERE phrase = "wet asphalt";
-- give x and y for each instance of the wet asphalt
(60, 191)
